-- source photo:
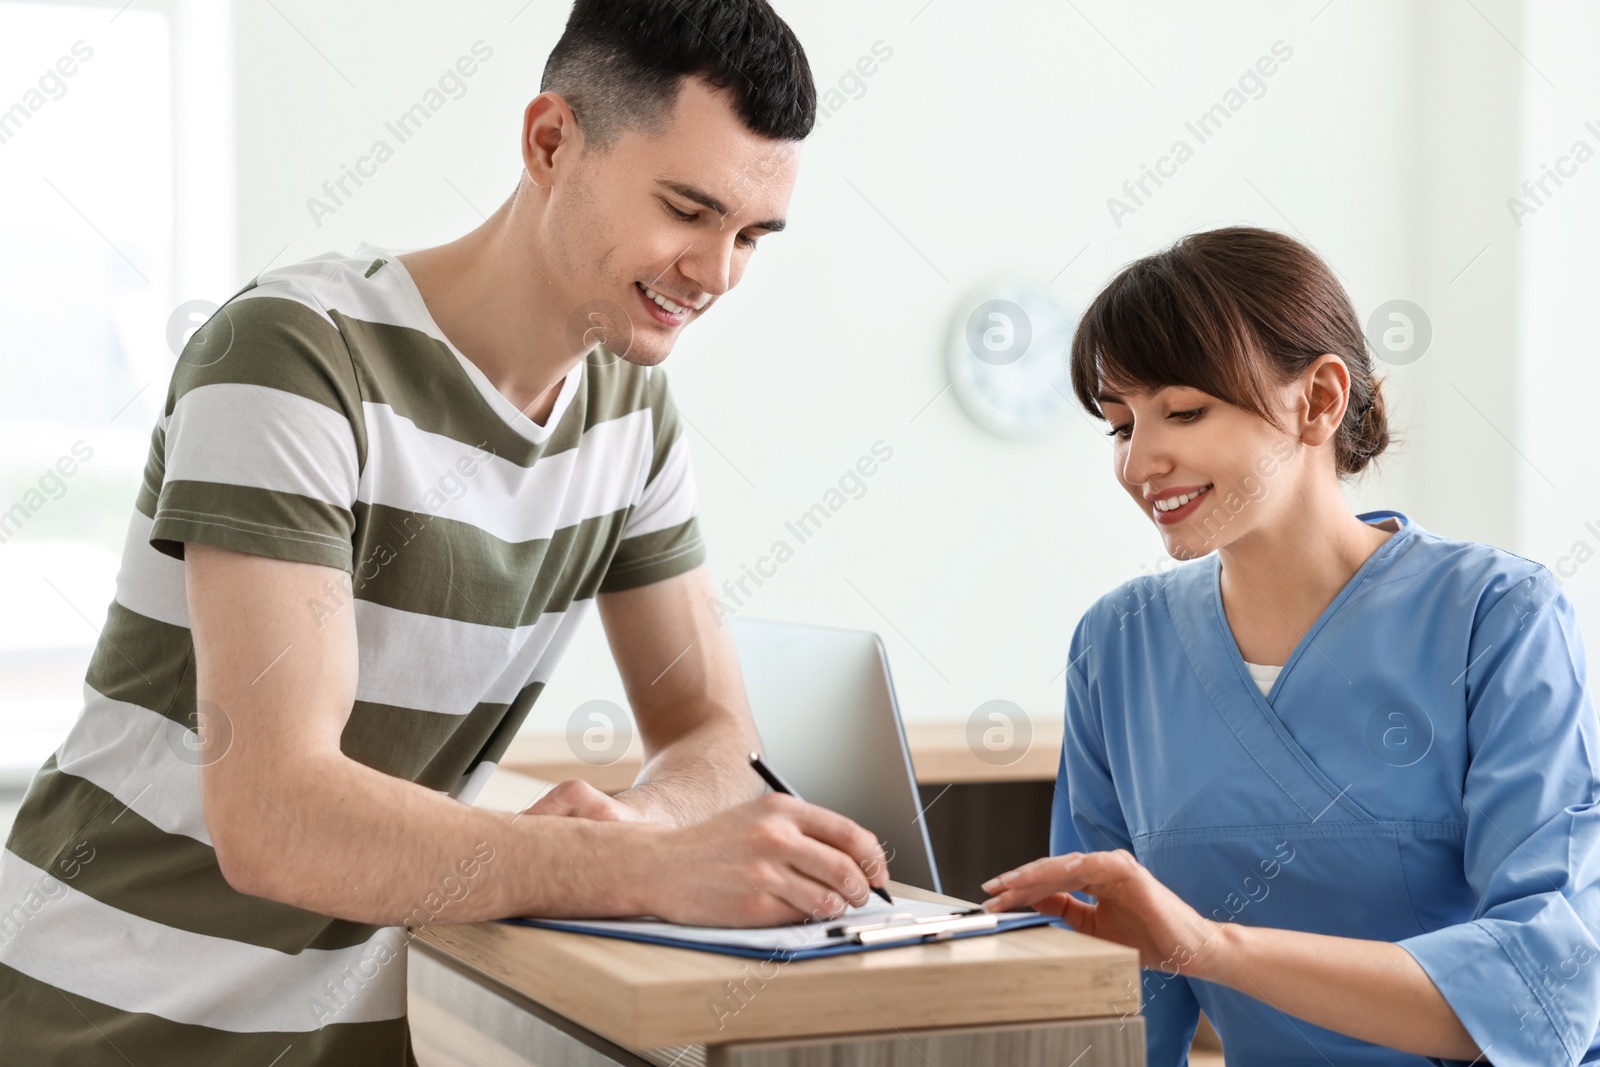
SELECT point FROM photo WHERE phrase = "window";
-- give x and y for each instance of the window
(91, 134)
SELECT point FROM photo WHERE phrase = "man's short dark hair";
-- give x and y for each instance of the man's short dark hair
(619, 65)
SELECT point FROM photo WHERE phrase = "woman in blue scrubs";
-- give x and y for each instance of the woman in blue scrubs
(1335, 777)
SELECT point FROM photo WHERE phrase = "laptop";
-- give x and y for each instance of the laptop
(824, 704)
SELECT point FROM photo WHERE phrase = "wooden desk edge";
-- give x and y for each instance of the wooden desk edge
(604, 986)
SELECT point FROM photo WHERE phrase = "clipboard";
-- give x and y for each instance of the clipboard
(865, 929)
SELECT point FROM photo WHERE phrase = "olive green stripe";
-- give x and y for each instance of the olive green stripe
(271, 341)
(386, 548)
(155, 472)
(500, 740)
(420, 378)
(428, 748)
(48, 1027)
(475, 576)
(278, 343)
(143, 661)
(86, 838)
(614, 388)
(145, 501)
(45, 835)
(668, 423)
(655, 556)
(267, 522)
(269, 509)
(173, 529)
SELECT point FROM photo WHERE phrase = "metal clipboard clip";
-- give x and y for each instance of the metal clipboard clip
(907, 927)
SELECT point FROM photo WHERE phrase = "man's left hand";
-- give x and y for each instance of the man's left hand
(580, 800)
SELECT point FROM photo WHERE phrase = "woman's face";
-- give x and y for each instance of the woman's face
(1205, 471)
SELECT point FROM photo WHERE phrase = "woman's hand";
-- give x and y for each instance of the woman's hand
(1132, 908)
(1372, 990)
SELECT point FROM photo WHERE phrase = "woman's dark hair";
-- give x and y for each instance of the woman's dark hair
(619, 63)
(1230, 312)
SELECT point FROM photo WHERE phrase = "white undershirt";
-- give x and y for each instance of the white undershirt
(1264, 674)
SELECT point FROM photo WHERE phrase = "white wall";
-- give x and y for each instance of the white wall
(1558, 364)
(991, 140)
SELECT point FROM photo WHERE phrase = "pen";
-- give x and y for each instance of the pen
(778, 785)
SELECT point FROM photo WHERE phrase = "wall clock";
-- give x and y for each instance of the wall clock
(1007, 358)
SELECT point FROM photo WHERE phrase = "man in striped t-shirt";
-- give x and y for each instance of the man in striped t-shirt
(382, 494)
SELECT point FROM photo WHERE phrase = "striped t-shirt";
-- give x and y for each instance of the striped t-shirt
(321, 416)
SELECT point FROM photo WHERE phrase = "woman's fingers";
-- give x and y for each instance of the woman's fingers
(1096, 873)
(1067, 907)
(1131, 907)
(1021, 897)
(1057, 904)
(1073, 911)
(1054, 904)
(1018, 901)
(1051, 871)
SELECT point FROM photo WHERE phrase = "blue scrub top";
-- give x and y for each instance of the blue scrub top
(1424, 771)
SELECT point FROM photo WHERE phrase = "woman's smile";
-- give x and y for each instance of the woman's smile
(1175, 505)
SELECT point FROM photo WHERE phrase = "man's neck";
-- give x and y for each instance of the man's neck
(492, 300)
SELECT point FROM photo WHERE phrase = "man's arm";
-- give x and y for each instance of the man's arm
(682, 678)
(295, 820)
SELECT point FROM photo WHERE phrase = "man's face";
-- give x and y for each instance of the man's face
(674, 214)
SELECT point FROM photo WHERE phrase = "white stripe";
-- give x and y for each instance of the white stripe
(407, 467)
(151, 582)
(335, 282)
(292, 444)
(447, 666)
(612, 466)
(472, 783)
(269, 287)
(412, 469)
(134, 754)
(79, 945)
(670, 499)
(330, 281)
(148, 762)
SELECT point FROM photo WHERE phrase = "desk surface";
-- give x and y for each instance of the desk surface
(648, 996)
(939, 751)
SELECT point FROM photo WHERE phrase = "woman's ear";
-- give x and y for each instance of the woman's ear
(1324, 393)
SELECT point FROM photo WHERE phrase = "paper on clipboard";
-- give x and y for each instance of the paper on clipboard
(795, 941)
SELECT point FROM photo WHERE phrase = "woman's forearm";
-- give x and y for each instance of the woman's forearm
(1371, 990)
